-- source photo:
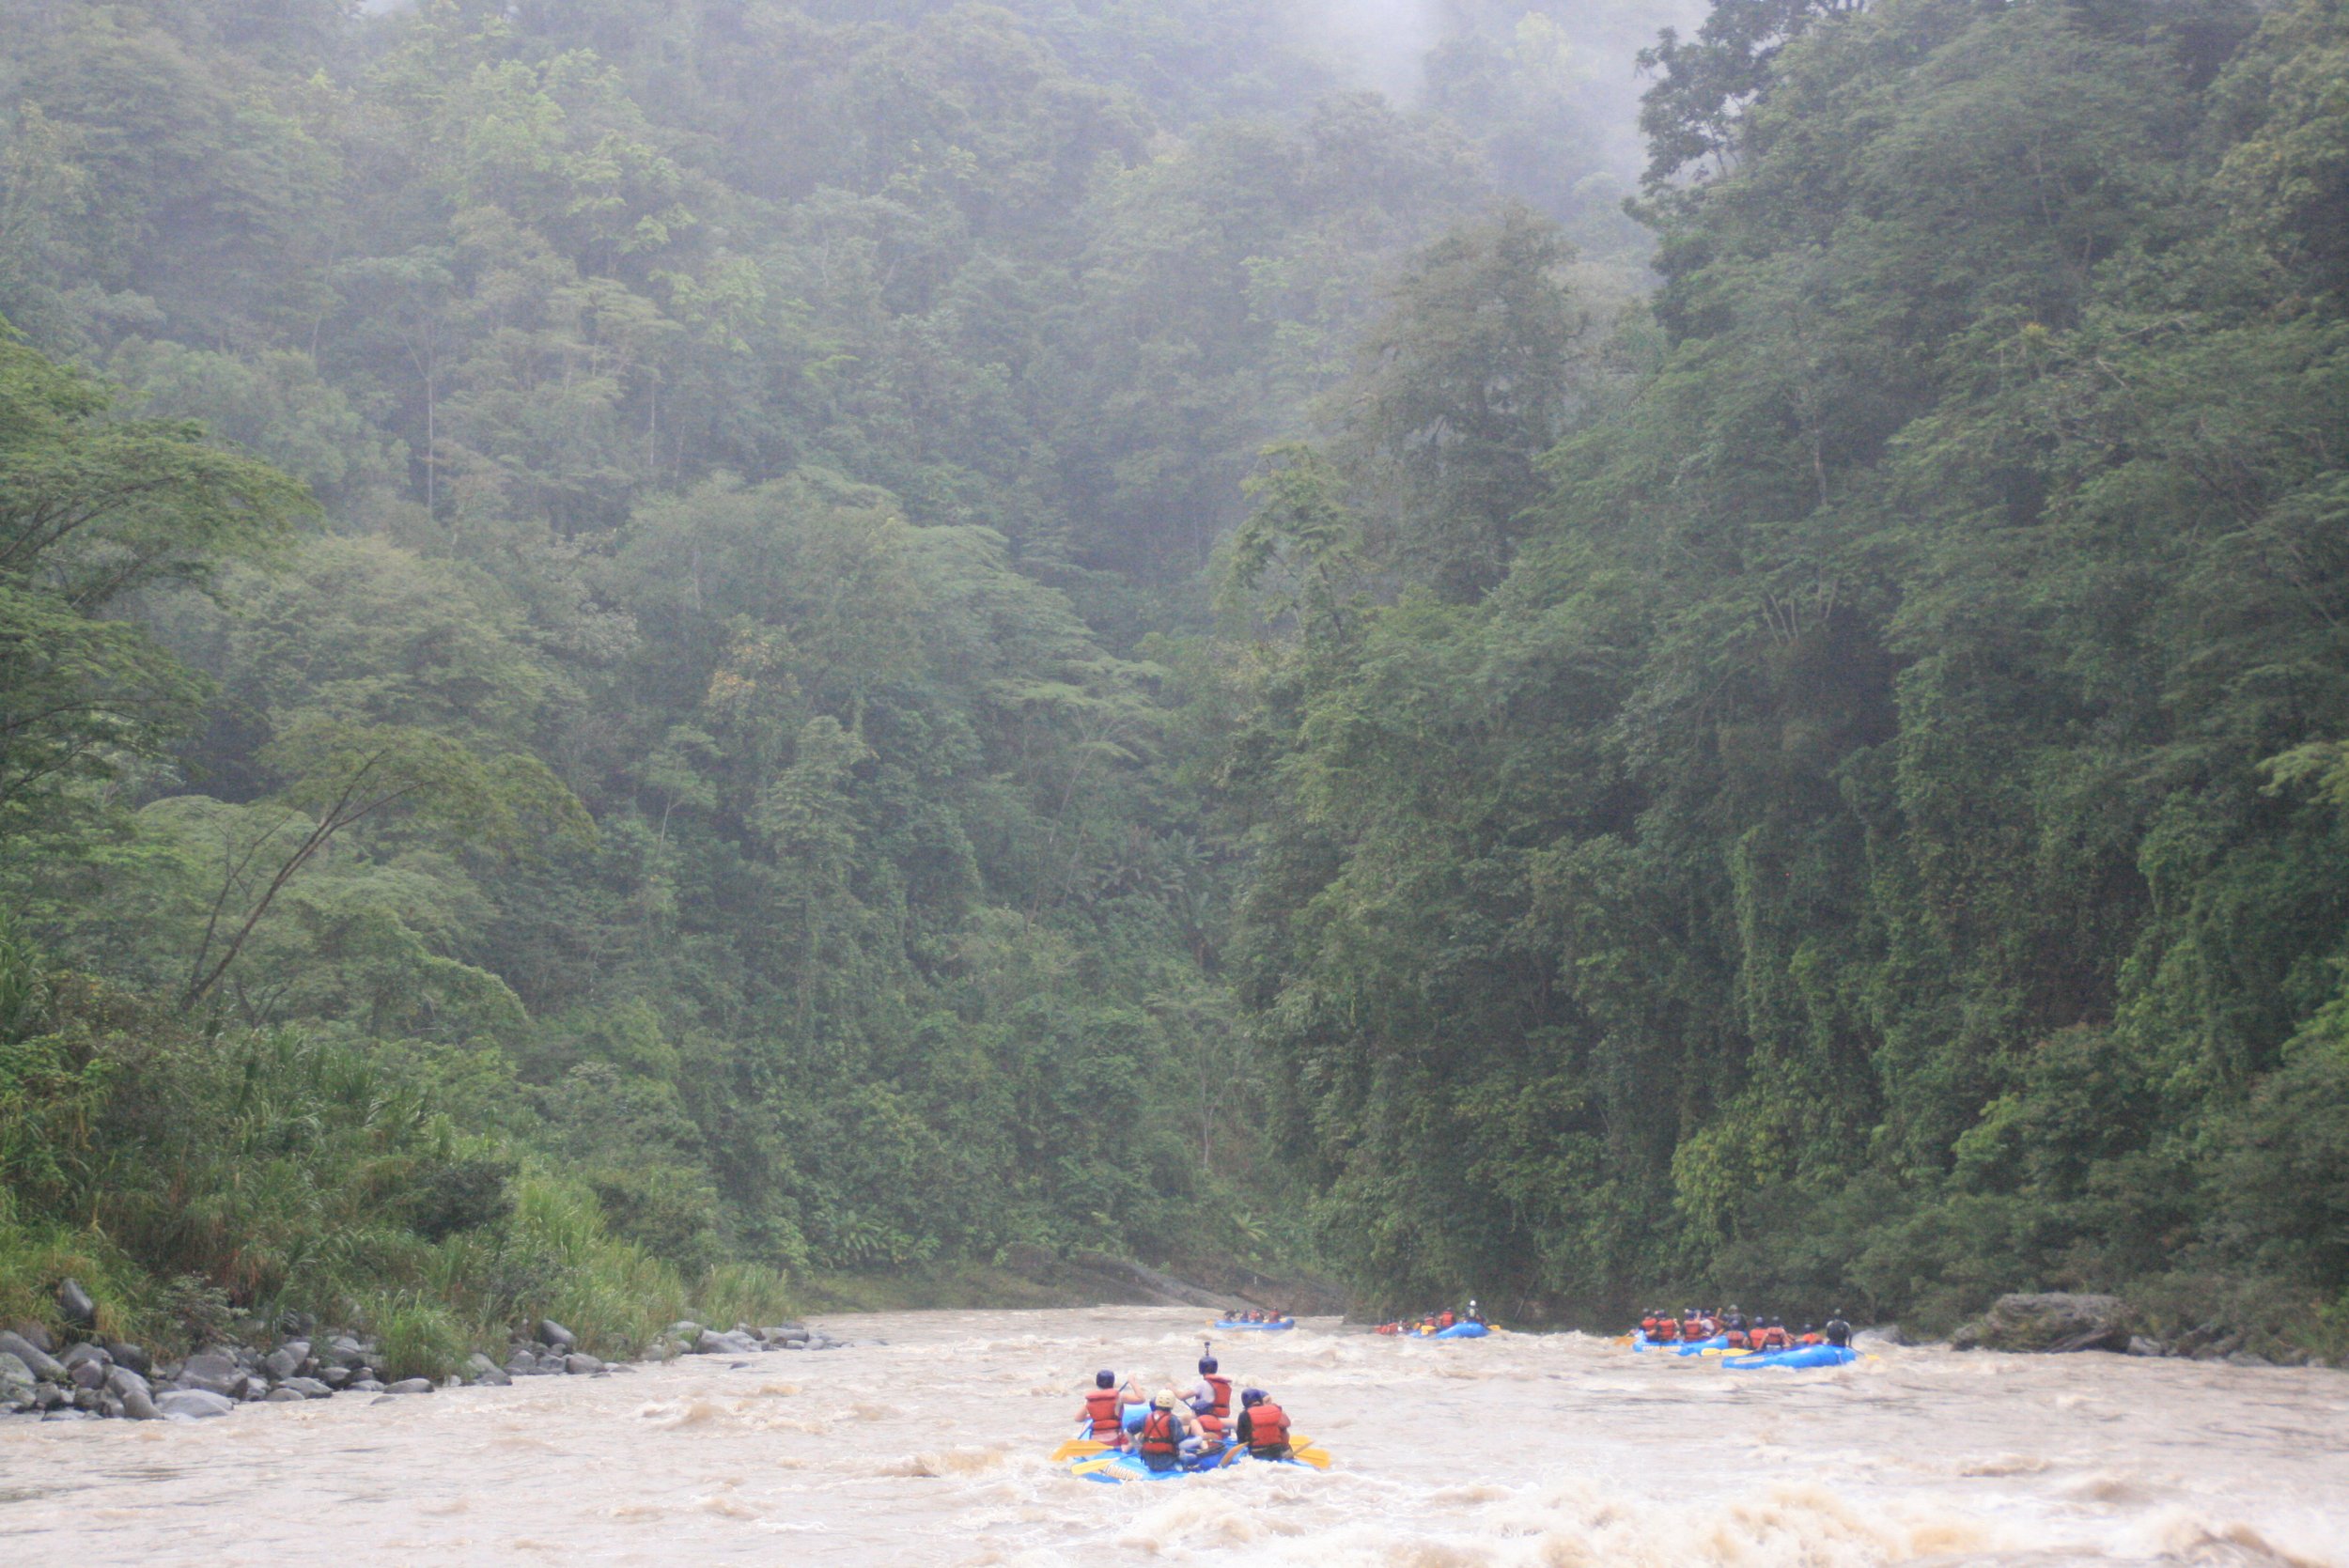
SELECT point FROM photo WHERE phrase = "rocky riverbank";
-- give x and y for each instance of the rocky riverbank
(2059, 1322)
(91, 1379)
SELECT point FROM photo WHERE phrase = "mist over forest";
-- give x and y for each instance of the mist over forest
(658, 654)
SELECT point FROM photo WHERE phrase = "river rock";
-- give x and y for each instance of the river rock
(553, 1333)
(309, 1388)
(2055, 1322)
(2140, 1345)
(139, 1406)
(344, 1351)
(122, 1382)
(214, 1372)
(36, 1335)
(87, 1375)
(283, 1396)
(334, 1377)
(410, 1386)
(287, 1359)
(85, 1353)
(685, 1329)
(485, 1374)
(733, 1342)
(192, 1405)
(363, 1386)
(50, 1395)
(75, 1303)
(131, 1356)
(92, 1400)
(581, 1366)
(37, 1360)
(17, 1382)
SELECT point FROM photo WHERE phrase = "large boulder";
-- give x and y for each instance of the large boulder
(215, 1372)
(2057, 1322)
(192, 1405)
(75, 1304)
(287, 1359)
(38, 1361)
(553, 1333)
(17, 1382)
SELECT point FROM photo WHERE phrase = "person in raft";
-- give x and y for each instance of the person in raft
(1210, 1398)
(1105, 1409)
(1838, 1332)
(1171, 1436)
(1263, 1426)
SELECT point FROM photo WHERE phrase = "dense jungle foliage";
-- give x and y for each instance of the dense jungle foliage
(590, 702)
(1834, 792)
(647, 647)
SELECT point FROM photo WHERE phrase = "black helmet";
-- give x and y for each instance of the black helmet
(1251, 1397)
(1206, 1363)
(1105, 1380)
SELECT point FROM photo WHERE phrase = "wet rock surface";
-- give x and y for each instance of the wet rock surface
(2057, 1322)
(90, 1378)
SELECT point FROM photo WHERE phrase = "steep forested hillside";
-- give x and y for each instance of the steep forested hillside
(584, 651)
(1861, 816)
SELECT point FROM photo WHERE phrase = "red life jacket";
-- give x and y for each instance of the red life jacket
(1223, 1390)
(1736, 1338)
(1812, 1339)
(1268, 1427)
(1773, 1339)
(1162, 1436)
(1212, 1424)
(1647, 1326)
(1692, 1330)
(1443, 1319)
(1102, 1409)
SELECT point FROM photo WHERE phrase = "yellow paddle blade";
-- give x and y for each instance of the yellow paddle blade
(1078, 1448)
(1088, 1466)
(1306, 1451)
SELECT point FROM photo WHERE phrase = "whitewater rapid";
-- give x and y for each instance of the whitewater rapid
(925, 1443)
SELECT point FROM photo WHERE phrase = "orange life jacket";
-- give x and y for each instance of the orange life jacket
(1443, 1319)
(1223, 1390)
(1736, 1338)
(1773, 1339)
(1268, 1427)
(1162, 1436)
(1104, 1411)
(1647, 1326)
(1212, 1424)
(1812, 1339)
(1692, 1330)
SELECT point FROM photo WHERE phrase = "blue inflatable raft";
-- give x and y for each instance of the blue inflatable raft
(1463, 1331)
(1126, 1467)
(1268, 1327)
(1799, 1359)
(1698, 1347)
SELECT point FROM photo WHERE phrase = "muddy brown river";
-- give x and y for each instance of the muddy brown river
(926, 1443)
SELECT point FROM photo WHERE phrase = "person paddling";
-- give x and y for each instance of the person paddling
(1105, 1410)
(1263, 1426)
(1210, 1398)
(1837, 1332)
(1171, 1436)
